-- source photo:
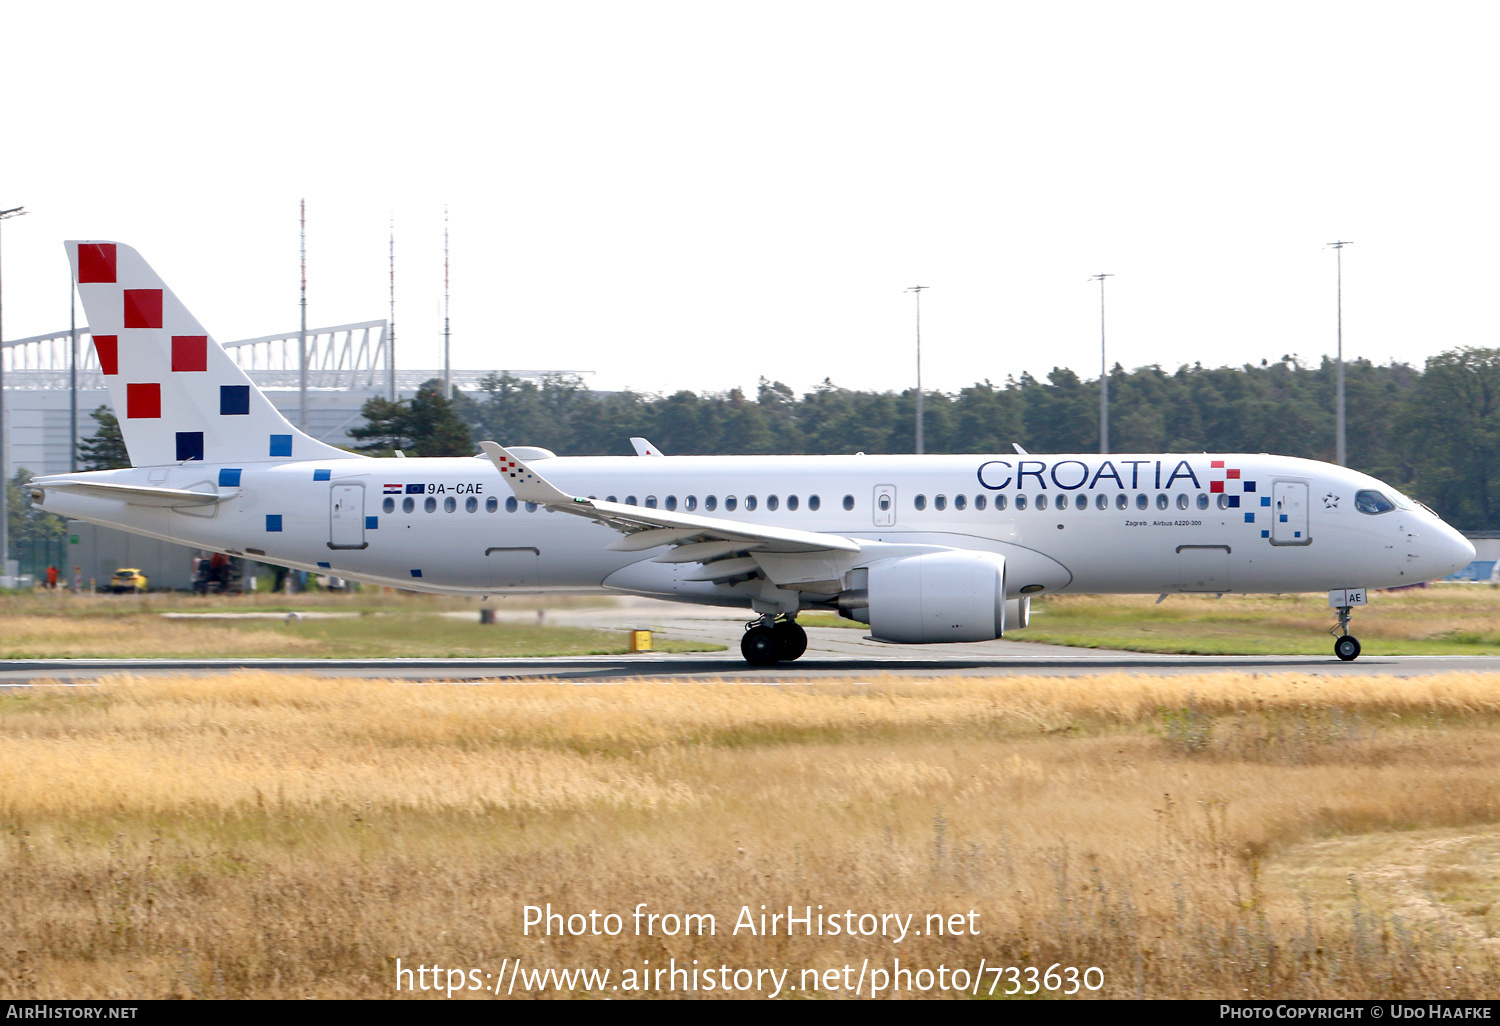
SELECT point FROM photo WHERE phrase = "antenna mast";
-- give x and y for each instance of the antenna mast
(390, 328)
(302, 338)
(447, 362)
(1342, 452)
(918, 290)
(1103, 372)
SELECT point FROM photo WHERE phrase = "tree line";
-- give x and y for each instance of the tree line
(1433, 432)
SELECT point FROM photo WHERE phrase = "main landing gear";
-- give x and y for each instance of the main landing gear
(1345, 645)
(769, 641)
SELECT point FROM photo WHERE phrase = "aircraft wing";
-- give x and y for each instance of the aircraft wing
(726, 548)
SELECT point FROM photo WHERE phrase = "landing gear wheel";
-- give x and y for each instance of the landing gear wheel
(759, 646)
(1347, 648)
(791, 640)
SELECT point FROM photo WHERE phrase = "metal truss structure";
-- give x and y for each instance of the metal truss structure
(348, 358)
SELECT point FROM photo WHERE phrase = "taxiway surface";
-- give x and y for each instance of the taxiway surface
(832, 652)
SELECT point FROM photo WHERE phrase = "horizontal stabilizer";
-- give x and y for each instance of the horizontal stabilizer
(139, 495)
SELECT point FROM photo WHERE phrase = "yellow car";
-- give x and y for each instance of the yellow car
(127, 579)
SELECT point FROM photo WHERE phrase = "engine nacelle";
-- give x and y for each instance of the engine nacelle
(937, 597)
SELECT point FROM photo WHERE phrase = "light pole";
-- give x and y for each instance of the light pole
(1103, 372)
(4, 470)
(1342, 452)
(917, 289)
(302, 337)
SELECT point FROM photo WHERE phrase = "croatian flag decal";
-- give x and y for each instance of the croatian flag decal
(394, 489)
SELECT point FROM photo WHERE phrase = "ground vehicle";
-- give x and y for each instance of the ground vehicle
(127, 579)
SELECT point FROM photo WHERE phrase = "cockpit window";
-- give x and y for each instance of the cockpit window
(1372, 502)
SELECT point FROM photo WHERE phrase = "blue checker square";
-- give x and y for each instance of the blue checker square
(372, 523)
(1265, 500)
(1234, 502)
(229, 477)
(1296, 534)
(281, 445)
(1283, 518)
(325, 566)
(416, 573)
(1249, 518)
(322, 475)
(273, 521)
(1248, 486)
(189, 446)
(1265, 534)
(234, 400)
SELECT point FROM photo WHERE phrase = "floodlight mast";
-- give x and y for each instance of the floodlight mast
(4, 470)
(1340, 448)
(1103, 372)
(447, 357)
(917, 289)
(302, 338)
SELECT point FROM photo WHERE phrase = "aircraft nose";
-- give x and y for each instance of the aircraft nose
(1451, 550)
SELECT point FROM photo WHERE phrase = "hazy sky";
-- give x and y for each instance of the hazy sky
(694, 195)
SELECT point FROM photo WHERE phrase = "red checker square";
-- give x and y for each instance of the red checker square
(1216, 486)
(143, 308)
(1233, 475)
(108, 349)
(1216, 464)
(190, 353)
(96, 262)
(143, 401)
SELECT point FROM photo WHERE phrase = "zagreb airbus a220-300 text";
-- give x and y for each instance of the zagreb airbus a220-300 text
(924, 549)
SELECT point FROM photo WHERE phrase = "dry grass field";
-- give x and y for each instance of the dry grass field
(1222, 836)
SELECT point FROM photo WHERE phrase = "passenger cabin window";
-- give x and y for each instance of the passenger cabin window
(1223, 501)
(1041, 501)
(711, 503)
(1101, 501)
(671, 503)
(471, 505)
(1161, 500)
(531, 507)
(450, 504)
(1372, 502)
(813, 503)
(1182, 501)
(690, 503)
(979, 502)
(630, 501)
(920, 502)
(389, 505)
(511, 505)
(430, 505)
(1062, 501)
(1000, 501)
(730, 502)
(491, 504)
(610, 498)
(1020, 502)
(849, 503)
(941, 502)
(1122, 501)
(960, 502)
(650, 502)
(773, 503)
(1140, 501)
(1202, 501)
(791, 503)
(408, 504)
(750, 503)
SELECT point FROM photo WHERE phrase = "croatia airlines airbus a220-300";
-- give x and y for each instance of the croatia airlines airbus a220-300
(924, 549)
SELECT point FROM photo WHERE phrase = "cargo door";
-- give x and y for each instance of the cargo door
(346, 517)
(1289, 513)
(1203, 568)
(885, 505)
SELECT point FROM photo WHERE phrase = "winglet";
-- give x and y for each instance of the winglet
(528, 485)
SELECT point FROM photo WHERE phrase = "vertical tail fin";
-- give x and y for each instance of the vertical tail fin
(178, 395)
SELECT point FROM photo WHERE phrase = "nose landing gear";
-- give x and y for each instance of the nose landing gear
(769, 641)
(1345, 645)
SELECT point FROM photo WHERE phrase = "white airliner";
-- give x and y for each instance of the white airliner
(924, 549)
